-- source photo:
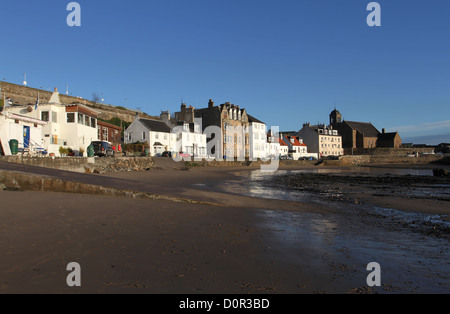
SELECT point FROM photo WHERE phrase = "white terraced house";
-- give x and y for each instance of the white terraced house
(155, 133)
(190, 140)
(25, 130)
(258, 138)
(70, 126)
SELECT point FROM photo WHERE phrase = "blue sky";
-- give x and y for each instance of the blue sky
(287, 62)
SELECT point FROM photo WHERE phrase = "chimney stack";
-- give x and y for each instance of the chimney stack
(210, 103)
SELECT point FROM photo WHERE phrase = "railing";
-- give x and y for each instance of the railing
(32, 148)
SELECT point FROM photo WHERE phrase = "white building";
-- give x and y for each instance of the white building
(322, 140)
(155, 133)
(25, 130)
(71, 126)
(258, 139)
(190, 139)
(186, 138)
(273, 145)
(297, 148)
(284, 148)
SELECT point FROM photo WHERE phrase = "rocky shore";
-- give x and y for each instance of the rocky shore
(421, 203)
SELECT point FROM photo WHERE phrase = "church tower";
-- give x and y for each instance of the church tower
(335, 118)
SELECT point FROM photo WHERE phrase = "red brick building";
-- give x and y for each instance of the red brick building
(109, 132)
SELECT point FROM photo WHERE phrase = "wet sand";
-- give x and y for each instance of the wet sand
(246, 245)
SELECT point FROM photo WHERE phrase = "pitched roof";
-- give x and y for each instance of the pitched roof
(387, 136)
(110, 125)
(253, 119)
(364, 128)
(296, 142)
(155, 125)
(282, 143)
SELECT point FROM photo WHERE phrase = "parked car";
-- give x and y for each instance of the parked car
(102, 148)
(167, 154)
(184, 155)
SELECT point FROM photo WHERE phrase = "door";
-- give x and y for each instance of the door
(26, 137)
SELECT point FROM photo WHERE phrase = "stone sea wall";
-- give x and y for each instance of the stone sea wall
(85, 164)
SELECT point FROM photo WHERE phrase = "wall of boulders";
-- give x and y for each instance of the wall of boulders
(119, 164)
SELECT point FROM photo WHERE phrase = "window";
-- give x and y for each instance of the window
(54, 117)
(156, 135)
(70, 117)
(93, 123)
(80, 118)
(45, 116)
(87, 121)
(105, 134)
(165, 136)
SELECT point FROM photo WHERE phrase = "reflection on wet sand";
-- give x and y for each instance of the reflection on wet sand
(412, 247)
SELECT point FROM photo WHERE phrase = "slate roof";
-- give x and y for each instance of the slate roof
(253, 119)
(387, 136)
(155, 125)
(364, 128)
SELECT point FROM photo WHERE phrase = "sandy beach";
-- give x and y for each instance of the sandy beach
(244, 244)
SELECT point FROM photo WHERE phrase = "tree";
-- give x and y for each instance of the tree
(96, 98)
